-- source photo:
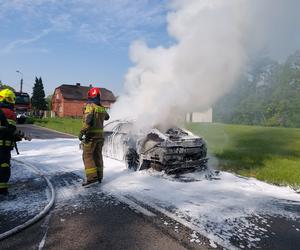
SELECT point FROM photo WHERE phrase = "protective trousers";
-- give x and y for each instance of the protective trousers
(4, 169)
(92, 159)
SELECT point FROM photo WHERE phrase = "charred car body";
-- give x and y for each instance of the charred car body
(174, 151)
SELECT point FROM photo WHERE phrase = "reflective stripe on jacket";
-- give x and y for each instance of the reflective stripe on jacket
(6, 143)
(94, 116)
(3, 185)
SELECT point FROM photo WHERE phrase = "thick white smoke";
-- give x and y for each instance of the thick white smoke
(214, 39)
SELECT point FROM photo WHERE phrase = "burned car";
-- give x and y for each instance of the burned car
(174, 151)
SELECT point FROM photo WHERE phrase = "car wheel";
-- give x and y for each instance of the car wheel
(145, 164)
(21, 120)
(132, 159)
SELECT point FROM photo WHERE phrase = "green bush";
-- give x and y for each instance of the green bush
(29, 120)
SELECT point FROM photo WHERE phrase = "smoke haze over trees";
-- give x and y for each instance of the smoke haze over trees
(269, 95)
(214, 41)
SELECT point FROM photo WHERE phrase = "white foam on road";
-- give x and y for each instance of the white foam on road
(22, 198)
(218, 208)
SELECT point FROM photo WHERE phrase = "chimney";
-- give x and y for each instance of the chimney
(78, 84)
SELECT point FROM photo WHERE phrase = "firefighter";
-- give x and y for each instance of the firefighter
(91, 136)
(7, 136)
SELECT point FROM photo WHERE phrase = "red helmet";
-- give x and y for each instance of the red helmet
(94, 92)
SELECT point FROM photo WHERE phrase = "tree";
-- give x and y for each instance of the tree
(38, 100)
(269, 94)
(48, 100)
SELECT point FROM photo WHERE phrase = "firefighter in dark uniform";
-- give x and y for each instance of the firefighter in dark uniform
(92, 137)
(7, 136)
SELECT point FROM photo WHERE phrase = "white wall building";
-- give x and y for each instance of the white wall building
(200, 116)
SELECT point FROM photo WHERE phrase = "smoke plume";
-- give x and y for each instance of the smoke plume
(214, 39)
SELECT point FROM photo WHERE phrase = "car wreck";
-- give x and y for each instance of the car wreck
(173, 151)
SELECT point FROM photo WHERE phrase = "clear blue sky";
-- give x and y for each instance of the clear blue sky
(69, 41)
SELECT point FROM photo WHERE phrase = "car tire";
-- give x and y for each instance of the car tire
(21, 120)
(132, 159)
(145, 165)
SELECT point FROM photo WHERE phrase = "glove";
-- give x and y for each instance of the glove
(18, 136)
(81, 136)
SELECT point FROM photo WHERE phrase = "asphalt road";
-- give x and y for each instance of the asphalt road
(97, 220)
(37, 132)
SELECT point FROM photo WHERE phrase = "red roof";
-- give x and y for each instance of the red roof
(78, 92)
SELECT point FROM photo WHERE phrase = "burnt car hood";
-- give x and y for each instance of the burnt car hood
(174, 137)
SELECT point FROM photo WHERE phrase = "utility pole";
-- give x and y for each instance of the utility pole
(21, 82)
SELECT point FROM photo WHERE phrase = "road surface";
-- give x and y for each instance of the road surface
(97, 220)
(103, 223)
(37, 132)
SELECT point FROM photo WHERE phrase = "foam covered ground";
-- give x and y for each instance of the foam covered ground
(223, 209)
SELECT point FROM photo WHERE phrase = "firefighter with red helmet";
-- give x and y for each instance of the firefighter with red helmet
(91, 136)
(7, 136)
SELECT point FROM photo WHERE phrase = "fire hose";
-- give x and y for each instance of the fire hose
(41, 214)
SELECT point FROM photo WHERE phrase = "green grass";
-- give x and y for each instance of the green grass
(66, 125)
(268, 154)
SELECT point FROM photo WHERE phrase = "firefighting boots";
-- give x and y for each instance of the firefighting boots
(88, 183)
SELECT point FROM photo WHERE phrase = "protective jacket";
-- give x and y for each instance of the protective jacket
(94, 116)
(7, 134)
(7, 127)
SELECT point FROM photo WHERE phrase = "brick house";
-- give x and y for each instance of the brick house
(68, 100)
